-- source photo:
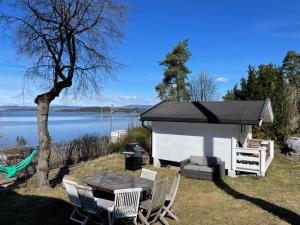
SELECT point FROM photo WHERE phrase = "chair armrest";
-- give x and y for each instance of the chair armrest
(222, 169)
(183, 163)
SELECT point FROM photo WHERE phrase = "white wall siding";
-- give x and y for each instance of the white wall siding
(245, 133)
(176, 141)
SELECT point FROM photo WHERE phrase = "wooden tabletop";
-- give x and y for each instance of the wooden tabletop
(109, 182)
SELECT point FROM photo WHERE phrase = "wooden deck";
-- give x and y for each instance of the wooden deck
(253, 159)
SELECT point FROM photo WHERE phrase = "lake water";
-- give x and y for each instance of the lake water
(62, 125)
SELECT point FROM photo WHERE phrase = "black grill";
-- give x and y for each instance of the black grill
(133, 156)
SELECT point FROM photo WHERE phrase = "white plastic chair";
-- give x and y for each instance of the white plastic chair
(75, 202)
(126, 205)
(148, 174)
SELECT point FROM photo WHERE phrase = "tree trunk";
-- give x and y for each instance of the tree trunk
(177, 90)
(44, 141)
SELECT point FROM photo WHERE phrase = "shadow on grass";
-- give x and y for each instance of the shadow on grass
(32, 210)
(53, 182)
(64, 170)
(57, 179)
(283, 213)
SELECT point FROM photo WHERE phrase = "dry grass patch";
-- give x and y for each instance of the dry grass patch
(273, 199)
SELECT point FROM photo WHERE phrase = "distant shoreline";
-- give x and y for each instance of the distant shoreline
(82, 109)
(103, 109)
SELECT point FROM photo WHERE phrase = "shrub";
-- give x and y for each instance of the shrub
(86, 147)
(21, 141)
(117, 147)
(140, 135)
(134, 134)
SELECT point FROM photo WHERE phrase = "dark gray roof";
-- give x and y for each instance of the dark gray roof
(227, 112)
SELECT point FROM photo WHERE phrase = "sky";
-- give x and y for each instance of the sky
(224, 38)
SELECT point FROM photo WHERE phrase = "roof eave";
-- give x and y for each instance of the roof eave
(151, 108)
(266, 113)
(195, 120)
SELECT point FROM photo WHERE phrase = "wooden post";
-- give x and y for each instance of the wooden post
(110, 124)
(232, 167)
(262, 161)
(271, 144)
(101, 124)
(233, 154)
(101, 121)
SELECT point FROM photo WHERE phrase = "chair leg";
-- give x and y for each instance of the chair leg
(86, 219)
(135, 221)
(109, 218)
(143, 219)
(164, 213)
(163, 220)
(170, 213)
(75, 211)
(98, 223)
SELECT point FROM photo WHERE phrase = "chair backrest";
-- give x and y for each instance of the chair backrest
(148, 174)
(72, 192)
(175, 186)
(127, 202)
(159, 193)
(87, 200)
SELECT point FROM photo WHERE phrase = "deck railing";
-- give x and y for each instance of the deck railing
(252, 159)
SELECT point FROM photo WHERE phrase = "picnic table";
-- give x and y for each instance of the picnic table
(109, 182)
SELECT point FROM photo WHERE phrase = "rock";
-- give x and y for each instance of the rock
(293, 145)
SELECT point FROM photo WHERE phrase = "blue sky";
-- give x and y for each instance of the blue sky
(224, 38)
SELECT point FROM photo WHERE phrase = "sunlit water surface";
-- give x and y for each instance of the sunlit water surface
(62, 125)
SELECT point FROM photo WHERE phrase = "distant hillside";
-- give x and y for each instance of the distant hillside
(34, 108)
(106, 109)
(17, 108)
(137, 106)
(127, 109)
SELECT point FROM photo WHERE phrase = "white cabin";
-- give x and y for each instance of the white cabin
(221, 129)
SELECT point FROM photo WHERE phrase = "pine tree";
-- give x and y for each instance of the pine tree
(174, 85)
(291, 66)
(291, 69)
(267, 81)
(271, 83)
(232, 94)
(251, 87)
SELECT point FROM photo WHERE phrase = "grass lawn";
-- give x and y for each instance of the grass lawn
(273, 199)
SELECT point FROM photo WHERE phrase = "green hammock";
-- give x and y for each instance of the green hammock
(12, 170)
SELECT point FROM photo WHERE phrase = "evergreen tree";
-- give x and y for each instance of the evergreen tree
(251, 87)
(232, 94)
(271, 83)
(242, 94)
(291, 69)
(291, 66)
(248, 86)
(174, 85)
(267, 81)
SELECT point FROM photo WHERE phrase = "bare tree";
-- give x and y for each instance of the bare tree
(68, 42)
(203, 88)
